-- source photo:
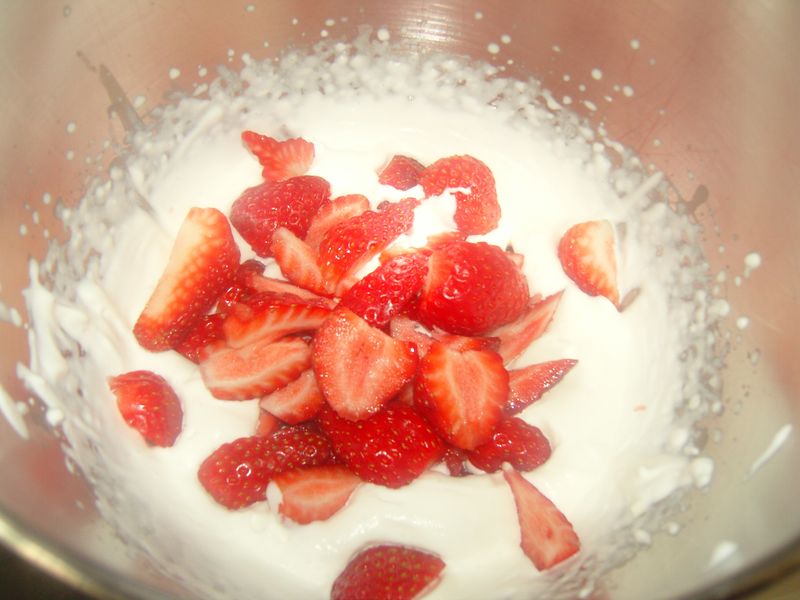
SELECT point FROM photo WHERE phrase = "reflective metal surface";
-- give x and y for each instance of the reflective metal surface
(714, 93)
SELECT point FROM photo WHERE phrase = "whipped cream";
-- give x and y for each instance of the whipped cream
(612, 421)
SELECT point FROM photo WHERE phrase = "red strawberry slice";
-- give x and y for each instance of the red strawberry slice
(477, 211)
(237, 473)
(280, 159)
(149, 405)
(461, 393)
(405, 329)
(386, 291)
(292, 203)
(348, 246)
(514, 441)
(254, 370)
(206, 332)
(461, 343)
(515, 337)
(268, 317)
(358, 367)
(388, 572)
(298, 261)
(267, 424)
(547, 536)
(299, 400)
(315, 493)
(240, 288)
(586, 252)
(401, 172)
(201, 266)
(333, 213)
(454, 459)
(528, 384)
(471, 289)
(391, 448)
(270, 285)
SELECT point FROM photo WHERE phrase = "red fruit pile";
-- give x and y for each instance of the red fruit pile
(362, 379)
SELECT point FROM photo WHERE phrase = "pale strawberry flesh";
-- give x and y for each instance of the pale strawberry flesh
(587, 255)
(254, 370)
(358, 367)
(298, 401)
(298, 261)
(280, 159)
(528, 384)
(517, 336)
(315, 493)
(333, 213)
(148, 404)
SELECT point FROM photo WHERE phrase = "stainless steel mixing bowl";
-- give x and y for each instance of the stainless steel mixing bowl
(713, 94)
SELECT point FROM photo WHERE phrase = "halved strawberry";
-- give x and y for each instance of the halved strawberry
(254, 370)
(514, 441)
(332, 213)
(348, 246)
(586, 252)
(267, 424)
(315, 493)
(454, 459)
(528, 384)
(237, 473)
(358, 367)
(297, 401)
(206, 332)
(388, 572)
(386, 291)
(401, 172)
(298, 261)
(240, 287)
(461, 393)
(277, 286)
(477, 211)
(515, 337)
(269, 317)
(392, 447)
(405, 329)
(548, 538)
(292, 203)
(201, 265)
(280, 159)
(471, 288)
(148, 404)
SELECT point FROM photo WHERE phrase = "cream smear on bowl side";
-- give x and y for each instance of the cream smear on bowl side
(618, 442)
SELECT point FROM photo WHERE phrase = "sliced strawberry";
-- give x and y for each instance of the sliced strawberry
(237, 473)
(586, 252)
(392, 447)
(528, 384)
(401, 172)
(515, 337)
(254, 370)
(267, 424)
(454, 459)
(471, 288)
(514, 441)
(358, 367)
(517, 259)
(280, 159)
(201, 265)
(461, 343)
(388, 572)
(269, 317)
(315, 493)
(271, 285)
(477, 211)
(149, 405)
(443, 238)
(299, 400)
(206, 332)
(240, 287)
(461, 393)
(348, 246)
(260, 210)
(332, 213)
(547, 536)
(297, 261)
(387, 290)
(405, 329)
